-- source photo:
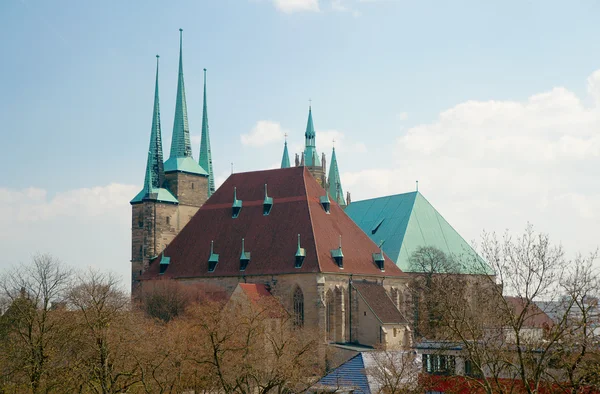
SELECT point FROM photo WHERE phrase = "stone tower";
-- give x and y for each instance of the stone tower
(174, 191)
(310, 158)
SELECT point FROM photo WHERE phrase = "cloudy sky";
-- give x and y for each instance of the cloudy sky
(494, 107)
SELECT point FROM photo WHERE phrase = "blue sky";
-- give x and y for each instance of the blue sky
(493, 106)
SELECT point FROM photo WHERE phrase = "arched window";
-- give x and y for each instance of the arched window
(298, 307)
(329, 315)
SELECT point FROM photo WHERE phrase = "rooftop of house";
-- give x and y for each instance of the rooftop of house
(380, 303)
(297, 220)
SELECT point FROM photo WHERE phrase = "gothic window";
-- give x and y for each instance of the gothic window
(298, 307)
(140, 220)
(329, 315)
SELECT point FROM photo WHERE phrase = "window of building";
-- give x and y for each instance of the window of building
(439, 364)
(472, 370)
(298, 307)
(395, 332)
(168, 220)
(192, 185)
(329, 315)
(365, 312)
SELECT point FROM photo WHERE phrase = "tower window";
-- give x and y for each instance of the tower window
(192, 185)
(168, 220)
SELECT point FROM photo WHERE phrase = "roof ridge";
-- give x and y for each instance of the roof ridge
(367, 302)
(381, 197)
(486, 266)
(312, 229)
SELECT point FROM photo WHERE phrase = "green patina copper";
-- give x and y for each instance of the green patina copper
(155, 174)
(180, 142)
(311, 157)
(205, 159)
(404, 222)
(184, 164)
(285, 159)
(335, 183)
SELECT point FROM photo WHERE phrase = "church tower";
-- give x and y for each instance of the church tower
(310, 157)
(174, 190)
(184, 177)
(154, 207)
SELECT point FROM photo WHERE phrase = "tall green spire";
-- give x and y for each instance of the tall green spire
(285, 160)
(180, 142)
(335, 184)
(205, 160)
(311, 158)
(155, 173)
(181, 150)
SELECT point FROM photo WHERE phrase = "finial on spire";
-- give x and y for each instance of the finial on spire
(309, 104)
(333, 142)
(417, 185)
(285, 136)
(232, 167)
(205, 76)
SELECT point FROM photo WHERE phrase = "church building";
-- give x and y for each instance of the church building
(334, 265)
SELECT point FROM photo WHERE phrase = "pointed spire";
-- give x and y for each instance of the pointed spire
(155, 173)
(311, 158)
(285, 160)
(335, 183)
(180, 142)
(205, 159)
(154, 168)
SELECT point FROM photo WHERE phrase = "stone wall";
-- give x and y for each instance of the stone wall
(189, 189)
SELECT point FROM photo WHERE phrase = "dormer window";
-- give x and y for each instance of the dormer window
(338, 255)
(236, 206)
(325, 203)
(244, 258)
(379, 260)
(213, 259)
(164, 263)
(300, 255)
(267, 203)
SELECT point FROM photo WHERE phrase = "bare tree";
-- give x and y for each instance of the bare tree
(31, 334)
(497, 319)
(107, 341)
(395, 371)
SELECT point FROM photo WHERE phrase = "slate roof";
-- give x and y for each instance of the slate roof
(351, 374)
(356, 373)
(271, 239)
(405, 222)
(380, 303)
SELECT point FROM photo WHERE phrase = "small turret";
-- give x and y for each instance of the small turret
(285, 159)
(335, 183)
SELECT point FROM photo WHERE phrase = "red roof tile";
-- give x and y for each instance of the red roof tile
(272, 239)
(382, 305)
(534, 316)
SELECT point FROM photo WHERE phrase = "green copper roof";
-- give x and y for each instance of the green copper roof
(311, 157)
(184, 164)
(154, 166)
(405, 222)
(335, 184)
(180, 142)
(285, 159)
(205, 160)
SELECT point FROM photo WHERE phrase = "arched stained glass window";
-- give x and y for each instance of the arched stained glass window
(298, 307)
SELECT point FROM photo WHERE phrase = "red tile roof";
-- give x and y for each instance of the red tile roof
(272, 239)
(534, 316)
(380, 303)
(260, 296)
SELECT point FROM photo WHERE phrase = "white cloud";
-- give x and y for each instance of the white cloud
(325, 142)
(498, 164)
(263, 133)
(82, 227)
(291, 6)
